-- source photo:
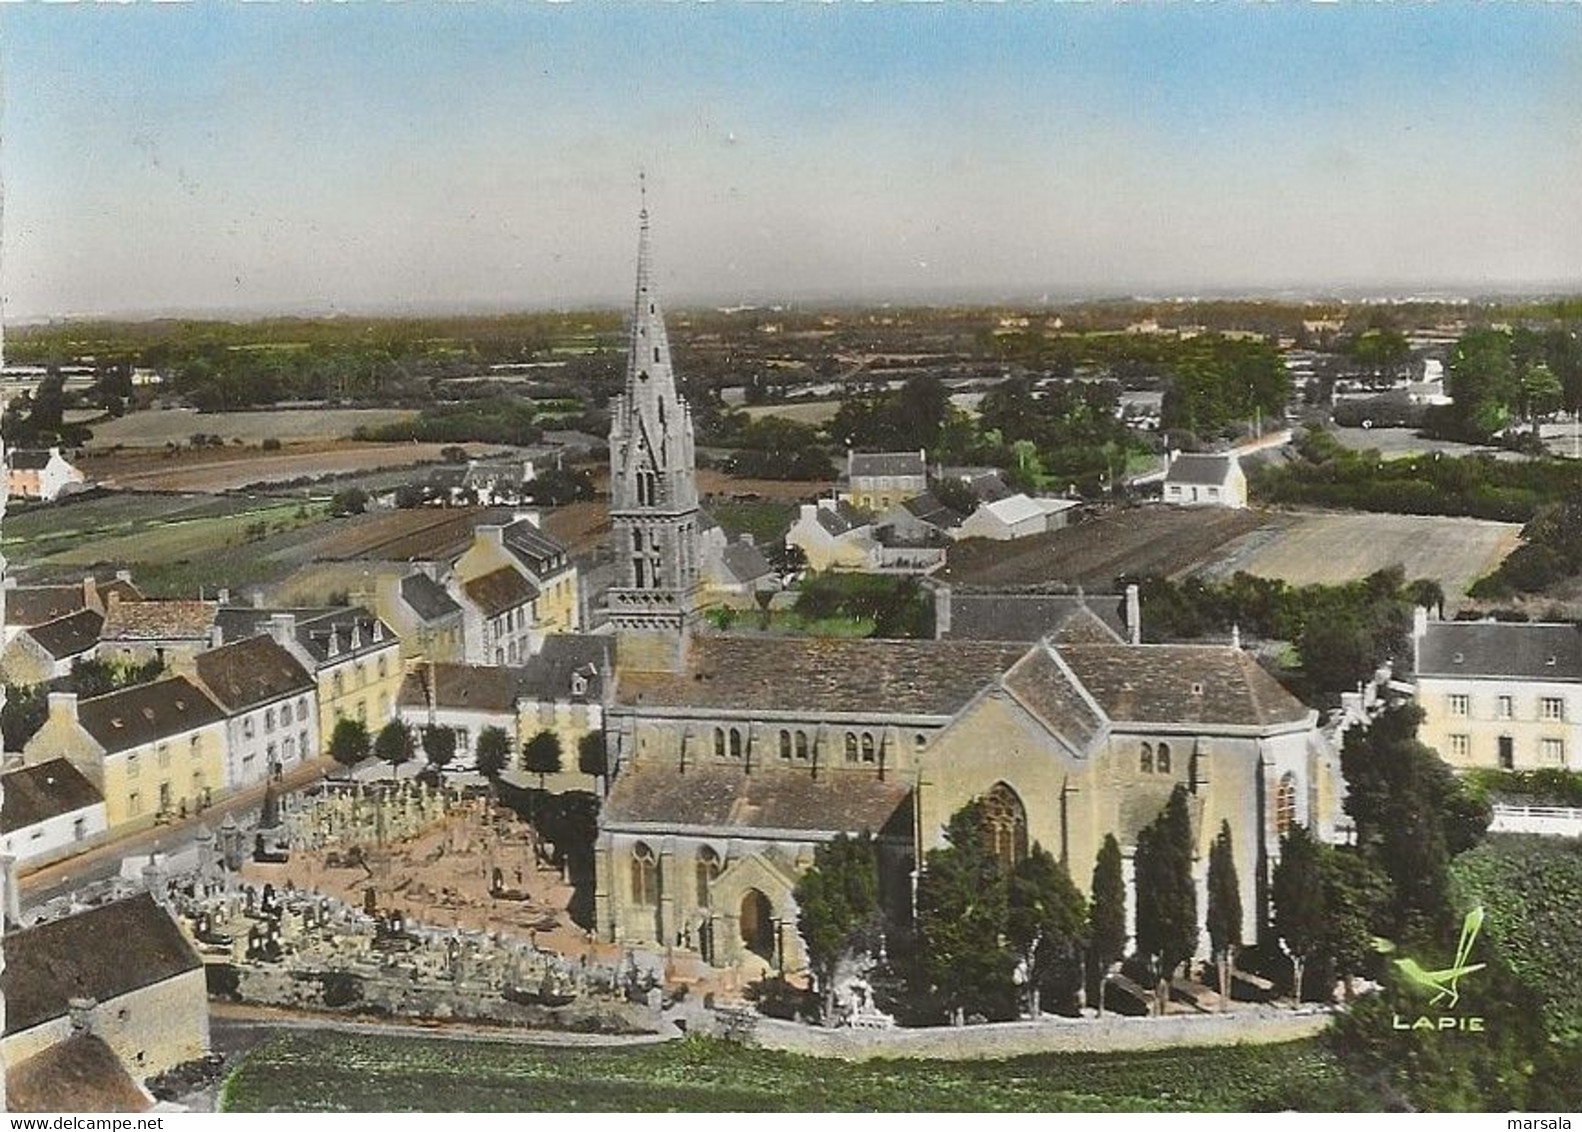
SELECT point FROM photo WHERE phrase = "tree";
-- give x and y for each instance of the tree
(1299, 909)
(439, 744)
(1166, 895)
(541, 755)
(493, 752)
(591, 755)
(26, 708)
(961, 905)
(349, 742)
(1045, 919)
(838, 909)
(1224, 909)
(1356, 903)
(352, 501)
(1107, 925)
(395, 744)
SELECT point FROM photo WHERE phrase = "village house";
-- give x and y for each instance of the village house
(1506, 695)
(27, 606)
(561, 690)
(1199, 479)
(270, 706)
(47, 811)
(430, 623)
(153, 751)
(40, 653)
(135, 632)
(42, 474)
(498, 616)
(467, 699)
(877, 481)
(833, 536)
(98, 1002)
(542, 559)
(1017, 516)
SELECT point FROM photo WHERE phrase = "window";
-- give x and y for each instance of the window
(801, 746)
(302, 709)
(868, 754)
(131, 766)
(851, 747)
(1460, 747)
(785, 745)
(340, 684)
(736, 743)
(162, 752)
(645, 876)
(719, 742)
(1552, 707)
(383, 669)
(134, 803)
(1162, 758)
(1005, 822)
(1285, 804)
(1505, 707)
(1460, 705)
(1507, 752)
(1553, 751)
(362, 674)
(302, 743)
(708, 871)
(1145, 760)
(269, 719)
(247, 727)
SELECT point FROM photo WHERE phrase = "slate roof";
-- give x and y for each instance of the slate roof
(251, 672)
(839, 519)
(726, 797)
(540, 552)
(886, 464)
(348, 626)
(30, 459)
(1199, 468)
(500, 590)
(37, 793)
(461, 687)
(80, 1074)
(147, 712)
(745, 562)
(929, 509)
(1170, 684)
(427, 598)
(158, 620)
(103, 953)
(1520, 650)
(34, 605)
(547, 675)
(1031, 617)
(823, 675)
(68, 636)
(1046, 689)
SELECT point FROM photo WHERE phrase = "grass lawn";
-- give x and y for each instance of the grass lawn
(315, 1071)
(767, 520)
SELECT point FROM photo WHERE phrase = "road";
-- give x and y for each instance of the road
(104, 861)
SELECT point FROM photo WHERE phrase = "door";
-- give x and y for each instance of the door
(1507, 752)
(757, 924)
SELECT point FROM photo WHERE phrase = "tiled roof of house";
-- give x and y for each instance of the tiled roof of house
(80, 1074)
(461, 687)
(1199, 468)
(158, 620)
(37, 793)
(1015, 509)
(251, 672)
(1520, 650)
(500, 590)
(1167, 684)
(820, 675)
(1067, 618)
(102, 954)
(427, 598)
(147, 713)
(34, 605)
(548, 675)
(68, 636)
(886, 464)
(726, 797)
(840, 518)
(352, 630)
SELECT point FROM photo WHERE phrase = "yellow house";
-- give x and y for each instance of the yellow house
(877, 481)
(540, 557)
(561, 690)
(153, 751)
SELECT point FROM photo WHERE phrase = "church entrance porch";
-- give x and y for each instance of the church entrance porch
(757, 924)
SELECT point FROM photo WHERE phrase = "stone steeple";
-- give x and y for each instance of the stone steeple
(653, 490)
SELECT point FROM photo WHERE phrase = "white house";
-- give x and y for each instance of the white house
(48, 808)
(270, 706)
(38, 474)
(466, 698)
(1201, 479)
(833, 536)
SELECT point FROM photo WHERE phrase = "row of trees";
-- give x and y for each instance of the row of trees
(1500, 379)
(397, 743)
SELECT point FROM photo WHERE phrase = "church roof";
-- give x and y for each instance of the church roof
(809, 674)
(1046, 689)
(1182, 684)
(727, 797)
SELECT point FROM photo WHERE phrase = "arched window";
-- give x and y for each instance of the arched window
(867, 747)
(851, 747)
(736, 743)
(1005, 822)
(785, 745)
(645, 876)
(719, 742)
(1145, 762)
(1162, 759)
(801, 746)
(708, 871)
(1285, 804)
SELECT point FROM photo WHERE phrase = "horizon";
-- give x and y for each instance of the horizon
(259, 161)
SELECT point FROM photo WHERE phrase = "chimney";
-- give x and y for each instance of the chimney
(90, 594)
(216, 636)
(1134, 615)
(283, 628)
(224, 596)
(13, 892)
(63, 705)
(124, 576)
(1235, 635)
(533, 518)
(1419, 631)
(491, 534)
(83, 1013)
(941, 611)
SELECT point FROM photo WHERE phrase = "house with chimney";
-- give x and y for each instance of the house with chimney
(153, 751)
(135, 632)
(877, 481)
(29, 606)
(41, 653)
(540, 558)
(42, 474)
(1201, 479)
(47, 811)
(271, 707)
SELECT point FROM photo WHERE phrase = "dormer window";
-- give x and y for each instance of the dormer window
(1459, 658)
(1550, 662)
(1197, 689)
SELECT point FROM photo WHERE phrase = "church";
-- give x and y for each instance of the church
(732, 757)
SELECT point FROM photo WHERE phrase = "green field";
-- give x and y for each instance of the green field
(320, 1071)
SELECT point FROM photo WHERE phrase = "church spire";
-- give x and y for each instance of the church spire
(653, 489)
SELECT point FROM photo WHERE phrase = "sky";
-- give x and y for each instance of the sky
(353, 157)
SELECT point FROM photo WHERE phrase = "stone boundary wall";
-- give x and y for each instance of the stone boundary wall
(1111, 1034)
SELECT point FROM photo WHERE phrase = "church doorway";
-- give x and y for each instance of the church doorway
(757, 923)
